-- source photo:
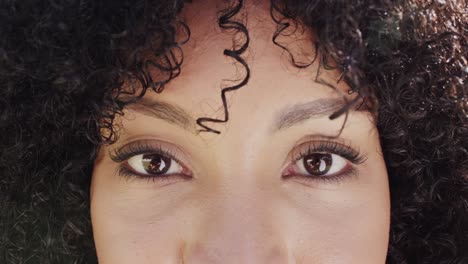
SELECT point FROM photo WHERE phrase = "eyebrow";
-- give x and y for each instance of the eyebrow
(164, 111)
(287, 117)
(299, 113)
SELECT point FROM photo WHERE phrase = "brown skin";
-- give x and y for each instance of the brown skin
(242, 197)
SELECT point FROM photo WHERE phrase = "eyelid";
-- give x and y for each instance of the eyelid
(145, 146)
(319, 144)
(121, 155)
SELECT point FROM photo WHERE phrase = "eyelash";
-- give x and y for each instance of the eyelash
(137, 148)
(323, 146)
(141, 147)
(330, 147)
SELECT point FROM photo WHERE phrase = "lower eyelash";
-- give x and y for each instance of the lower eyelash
(331, 147)
(122, 154)
(333, 179)
(130, 175)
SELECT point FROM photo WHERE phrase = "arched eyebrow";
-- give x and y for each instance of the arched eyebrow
(287, 117)
(298, 113)
(168, 112)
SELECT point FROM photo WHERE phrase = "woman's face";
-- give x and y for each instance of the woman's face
(273, 187)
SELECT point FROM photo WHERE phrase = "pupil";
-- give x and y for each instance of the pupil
(156, 164)
(318, 163)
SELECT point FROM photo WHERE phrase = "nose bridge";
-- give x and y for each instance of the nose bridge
(240, 227)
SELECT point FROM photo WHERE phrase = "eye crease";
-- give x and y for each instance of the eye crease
(313, 160)
(148, 159)
(324, 160)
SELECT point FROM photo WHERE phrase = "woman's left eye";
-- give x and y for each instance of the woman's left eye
(320, 165)
(153, 165)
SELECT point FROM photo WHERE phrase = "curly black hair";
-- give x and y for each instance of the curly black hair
(63, 65)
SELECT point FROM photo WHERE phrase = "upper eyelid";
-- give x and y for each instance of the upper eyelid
(298, 153)
(120, 154)
(124, 153)
(328, 138)
(178, 155)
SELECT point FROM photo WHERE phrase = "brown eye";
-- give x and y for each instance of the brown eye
(321, 164)
(317, 163)
(154, 164)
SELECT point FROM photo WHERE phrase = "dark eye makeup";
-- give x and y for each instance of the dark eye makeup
(122, 154)
(140, 147)
(327, 148)
(318, 147)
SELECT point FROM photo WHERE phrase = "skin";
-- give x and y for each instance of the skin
(235, 205)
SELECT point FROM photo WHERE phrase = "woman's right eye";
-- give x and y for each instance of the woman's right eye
(154, 164)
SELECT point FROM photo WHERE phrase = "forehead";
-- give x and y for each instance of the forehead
(208, 38)
(204, 59)
(274, 82)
